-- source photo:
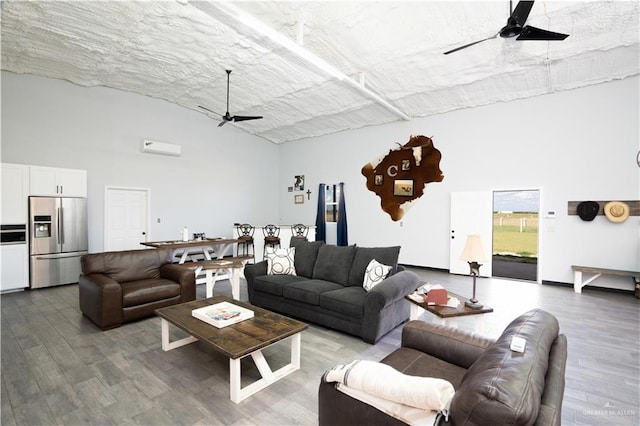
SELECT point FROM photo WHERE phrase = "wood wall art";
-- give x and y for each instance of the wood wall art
(400, 176)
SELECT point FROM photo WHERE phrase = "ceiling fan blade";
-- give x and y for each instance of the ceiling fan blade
(533, 33)
(471, 44)
(223, 122)
(521, 12)
(206, 109)
(246, 117)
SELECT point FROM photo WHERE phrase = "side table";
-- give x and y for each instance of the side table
(417, 308)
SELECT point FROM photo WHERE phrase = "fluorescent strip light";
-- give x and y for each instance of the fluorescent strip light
(241, 16)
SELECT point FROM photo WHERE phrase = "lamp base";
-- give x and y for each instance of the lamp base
(473, 304)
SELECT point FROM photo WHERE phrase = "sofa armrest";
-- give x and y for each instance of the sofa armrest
(551, 404)
(450, 344)
(101, 300)
(183, 276)
(390, 290)
(251, 271)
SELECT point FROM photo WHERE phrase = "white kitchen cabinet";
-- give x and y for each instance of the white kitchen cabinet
(52, 181)
(14, 266)
(15, 191)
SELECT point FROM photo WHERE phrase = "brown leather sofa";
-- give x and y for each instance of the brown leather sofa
(494, 385)
(122, 286)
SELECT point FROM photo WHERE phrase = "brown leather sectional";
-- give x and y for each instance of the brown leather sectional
(122, 286)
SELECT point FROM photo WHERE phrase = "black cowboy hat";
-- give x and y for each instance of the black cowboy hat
(588, 210)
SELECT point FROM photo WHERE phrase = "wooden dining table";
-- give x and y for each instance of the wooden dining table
(205, 246)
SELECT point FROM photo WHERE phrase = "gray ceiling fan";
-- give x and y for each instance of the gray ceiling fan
(227, 116)
(516, 27)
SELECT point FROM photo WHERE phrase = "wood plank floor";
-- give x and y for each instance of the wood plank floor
(58, 368)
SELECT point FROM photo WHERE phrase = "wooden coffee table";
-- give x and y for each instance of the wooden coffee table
(445, 311)
(237, 341)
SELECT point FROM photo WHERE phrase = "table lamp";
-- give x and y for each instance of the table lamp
(473, 254)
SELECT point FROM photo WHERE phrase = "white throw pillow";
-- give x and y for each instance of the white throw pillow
(281, 261)
(376, 272)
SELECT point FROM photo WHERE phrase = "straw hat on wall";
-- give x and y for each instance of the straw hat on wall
(616, 211)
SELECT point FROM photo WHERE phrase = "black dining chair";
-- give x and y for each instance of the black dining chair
(271, 237)
(245, 240)
(300, 231)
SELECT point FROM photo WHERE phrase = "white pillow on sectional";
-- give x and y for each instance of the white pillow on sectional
(281, 261)
(375, 273)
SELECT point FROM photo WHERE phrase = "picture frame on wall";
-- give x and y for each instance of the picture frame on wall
(298, 199)
(299, 183)
(403, 187)
(378, 180)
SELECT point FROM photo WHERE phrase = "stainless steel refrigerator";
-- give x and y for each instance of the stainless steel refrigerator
(57, 239)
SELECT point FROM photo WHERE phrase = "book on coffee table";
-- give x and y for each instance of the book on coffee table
(222, 314)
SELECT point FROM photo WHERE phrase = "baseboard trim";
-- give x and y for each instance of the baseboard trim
(590, 287)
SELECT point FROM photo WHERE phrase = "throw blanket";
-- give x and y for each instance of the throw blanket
(413, 399)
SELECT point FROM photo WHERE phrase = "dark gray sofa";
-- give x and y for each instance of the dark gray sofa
(494, 385)
(327, 289)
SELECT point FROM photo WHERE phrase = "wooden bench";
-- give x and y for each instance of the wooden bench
(578, 270)
(219, 269)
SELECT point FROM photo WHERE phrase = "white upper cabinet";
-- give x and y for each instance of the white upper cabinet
(51, 181)
(15, 191)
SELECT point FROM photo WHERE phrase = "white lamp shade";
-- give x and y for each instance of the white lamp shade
(473, 251)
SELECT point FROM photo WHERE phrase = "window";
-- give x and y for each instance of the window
(331, 200)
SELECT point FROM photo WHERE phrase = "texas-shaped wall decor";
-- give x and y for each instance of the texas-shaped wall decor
(400, 176)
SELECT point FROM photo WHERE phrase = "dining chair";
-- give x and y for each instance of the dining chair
(245, 240)
(271, 237)
(300, 231)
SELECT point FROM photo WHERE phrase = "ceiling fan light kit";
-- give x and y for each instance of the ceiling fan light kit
(516, 27)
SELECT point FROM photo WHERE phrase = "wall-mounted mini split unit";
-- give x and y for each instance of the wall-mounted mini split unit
(164, 148)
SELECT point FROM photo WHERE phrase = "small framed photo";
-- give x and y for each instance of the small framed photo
(403, 187)
(299, 183)
(405, 165)
(378, 180)
(299, 199)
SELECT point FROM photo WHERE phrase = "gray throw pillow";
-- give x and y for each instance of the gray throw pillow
(333, 264)
(364, 255)
(306, 254)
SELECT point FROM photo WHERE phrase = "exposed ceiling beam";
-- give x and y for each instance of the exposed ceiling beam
(211, 9)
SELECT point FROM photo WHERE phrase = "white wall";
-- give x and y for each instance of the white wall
(574, 145)
(223, 176)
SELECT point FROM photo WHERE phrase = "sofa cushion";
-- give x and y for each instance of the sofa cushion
(306, 255)
(280, 261)
(308, 291)
(346, 300)
(135, 293)
(417, 363)
(364, 255)
(375, 273)
(507, 386)
(333, 263)
(273, 284)
(128, 265)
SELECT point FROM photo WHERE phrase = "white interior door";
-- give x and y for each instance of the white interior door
(126, 218)
(471, 213)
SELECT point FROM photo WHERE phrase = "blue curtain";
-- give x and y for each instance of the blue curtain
(321, 229)
(343, 239)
